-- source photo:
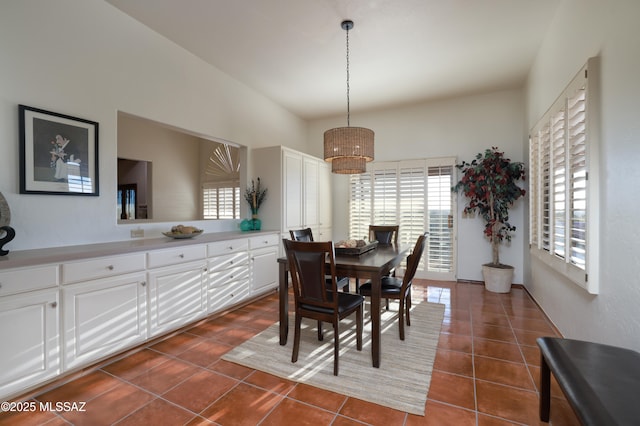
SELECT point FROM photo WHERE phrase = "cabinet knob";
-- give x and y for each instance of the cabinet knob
(54, 305)
(231, 262)
(230, 247)
(143, 283)
(231, 277)
(181, 256)
(110, 267)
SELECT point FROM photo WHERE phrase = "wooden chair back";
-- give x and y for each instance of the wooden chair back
(301, 234)
(384, 234)
(413, 260)
(307, 263)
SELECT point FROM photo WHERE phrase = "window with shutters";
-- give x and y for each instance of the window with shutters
(563, 187)
(221, 201)
(416, 195)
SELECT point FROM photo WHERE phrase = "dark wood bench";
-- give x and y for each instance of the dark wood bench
(601, 382)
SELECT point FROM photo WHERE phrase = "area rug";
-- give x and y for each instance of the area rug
(401, 382)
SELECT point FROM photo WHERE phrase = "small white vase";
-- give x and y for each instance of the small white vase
(498, 279)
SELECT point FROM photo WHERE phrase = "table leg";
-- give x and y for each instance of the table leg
(284, 303)
(545, 390)
(375, 320)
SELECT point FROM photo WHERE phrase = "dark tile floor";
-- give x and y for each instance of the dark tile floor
(486, 373)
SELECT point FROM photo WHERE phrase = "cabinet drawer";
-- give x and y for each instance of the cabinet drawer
(226, 295)
(21, 280)
(220, 263)
(221, 277)
(263, 241)
(102, 267)
(173, 256)
(227, 246)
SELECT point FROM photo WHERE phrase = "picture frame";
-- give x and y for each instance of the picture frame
(58, 153)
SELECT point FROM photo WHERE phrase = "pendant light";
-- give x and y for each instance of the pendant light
(348, 149)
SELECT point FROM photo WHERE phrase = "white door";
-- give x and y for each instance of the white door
(264, 269)
(30, 349)
(103, 316)
(177, 296)
(292, 190)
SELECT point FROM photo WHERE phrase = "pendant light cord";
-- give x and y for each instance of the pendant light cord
(348, 88)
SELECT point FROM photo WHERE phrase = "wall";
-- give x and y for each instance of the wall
(459, 127)
(581, 29)
(87, 59)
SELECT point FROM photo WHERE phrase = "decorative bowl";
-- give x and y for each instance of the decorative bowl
(180, 236)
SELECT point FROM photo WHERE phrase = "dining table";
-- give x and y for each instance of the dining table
(371, 265)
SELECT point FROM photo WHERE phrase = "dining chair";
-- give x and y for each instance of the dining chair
(400, 289)
(384, 234)
(307, 264)
(306, 234)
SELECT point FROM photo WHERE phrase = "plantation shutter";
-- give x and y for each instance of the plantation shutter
(534, 203)
(385, 196)
(411, 202)
(545, 142)
(564, 203)
(578, 177)
(440, 219)
(559, 171)
(360, 206)
(209, 203)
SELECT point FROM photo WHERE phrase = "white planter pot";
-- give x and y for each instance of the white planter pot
(498, 280)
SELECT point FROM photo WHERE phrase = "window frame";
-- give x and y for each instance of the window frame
(559, 178)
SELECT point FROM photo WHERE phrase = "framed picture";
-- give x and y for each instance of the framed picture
(58, 153)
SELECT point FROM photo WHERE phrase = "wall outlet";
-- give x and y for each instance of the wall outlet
(137, 233)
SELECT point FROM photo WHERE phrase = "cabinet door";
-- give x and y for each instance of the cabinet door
(30, 348)
(292, 190)
(264, 269)
(103, 316)
(177, 296)
(310, 197)
(324, 197)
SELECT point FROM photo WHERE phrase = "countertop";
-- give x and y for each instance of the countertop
(25, 258)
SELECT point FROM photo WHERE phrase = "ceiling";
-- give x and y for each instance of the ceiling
(401, 51)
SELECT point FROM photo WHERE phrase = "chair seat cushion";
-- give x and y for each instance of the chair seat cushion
(346, 302)
(389, 285)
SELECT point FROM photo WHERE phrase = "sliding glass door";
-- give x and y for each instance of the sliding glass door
(416, 195)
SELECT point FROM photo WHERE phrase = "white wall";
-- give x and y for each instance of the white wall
(581, 29)
(459, 127)
(87, 59)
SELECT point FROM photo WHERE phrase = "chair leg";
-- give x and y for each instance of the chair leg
(359, 327)
(336, 347)
(320, 336)
(387, 300)
(408, 305)
(401, 317)
(296, 339)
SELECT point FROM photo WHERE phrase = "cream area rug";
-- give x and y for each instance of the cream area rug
(401, 382)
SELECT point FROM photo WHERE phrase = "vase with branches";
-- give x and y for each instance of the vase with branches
(489, 182)
(255, 196)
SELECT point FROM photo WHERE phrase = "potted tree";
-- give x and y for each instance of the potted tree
(490, 184)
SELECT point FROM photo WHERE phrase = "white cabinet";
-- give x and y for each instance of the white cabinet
(228, 280)
(264, 263)
(177, 296)
(310, 201)
(30, 348)
(292, 190)
(299, 191)
(103, 316)
(55, 318)
(325, 224)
